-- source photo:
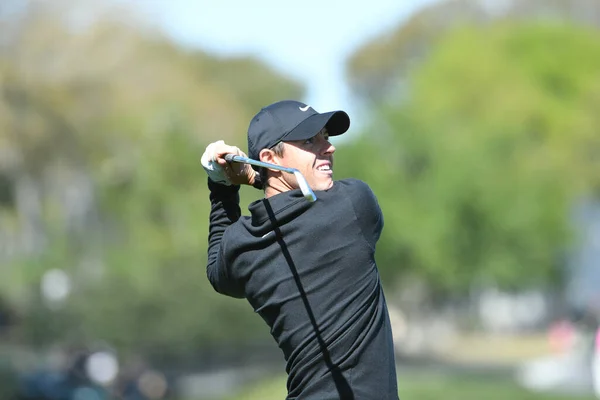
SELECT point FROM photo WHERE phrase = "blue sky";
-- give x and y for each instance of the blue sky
(308, 40)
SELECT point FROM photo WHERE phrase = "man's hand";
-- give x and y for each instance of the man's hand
(223, 172)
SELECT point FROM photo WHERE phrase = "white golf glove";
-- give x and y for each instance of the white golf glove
(215, 171)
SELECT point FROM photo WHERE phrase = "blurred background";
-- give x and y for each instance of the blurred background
(476, 123)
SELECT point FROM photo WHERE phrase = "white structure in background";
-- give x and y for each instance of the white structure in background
(583, 291)
(566, 373)
(55, 287)
(596, 365)
(25, 197)
(501, 312)
(102, 367)
(576, 367)
(417, 336)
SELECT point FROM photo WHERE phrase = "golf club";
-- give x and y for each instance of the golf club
(306, 190)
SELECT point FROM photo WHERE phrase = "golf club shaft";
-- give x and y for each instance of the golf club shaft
(246, 160)
(304, 186)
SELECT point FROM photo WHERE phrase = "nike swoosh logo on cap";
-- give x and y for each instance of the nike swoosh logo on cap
(304, 108)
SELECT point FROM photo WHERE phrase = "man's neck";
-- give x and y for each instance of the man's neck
(276, 186)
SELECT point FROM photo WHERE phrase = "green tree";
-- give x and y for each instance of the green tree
(377, 69)
(122, 106)
(478, 163)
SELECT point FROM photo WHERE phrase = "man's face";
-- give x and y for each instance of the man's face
(313, 158)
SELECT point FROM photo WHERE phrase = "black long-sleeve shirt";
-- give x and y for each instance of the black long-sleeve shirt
(308, 269)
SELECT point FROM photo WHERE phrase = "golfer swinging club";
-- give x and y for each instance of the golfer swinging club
(306, 267)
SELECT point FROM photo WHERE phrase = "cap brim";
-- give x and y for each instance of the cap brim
(336, 122)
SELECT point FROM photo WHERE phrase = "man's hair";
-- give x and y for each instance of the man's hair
(263, 172)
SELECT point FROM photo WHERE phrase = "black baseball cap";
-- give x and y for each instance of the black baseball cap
(289, 120)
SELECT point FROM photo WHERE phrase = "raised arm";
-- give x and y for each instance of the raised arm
(224, 211)
(224, 182)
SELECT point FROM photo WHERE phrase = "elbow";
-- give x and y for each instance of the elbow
(222, 285)
(212, 276)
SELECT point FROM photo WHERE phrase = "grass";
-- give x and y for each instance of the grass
(425, 386)
(496, 349)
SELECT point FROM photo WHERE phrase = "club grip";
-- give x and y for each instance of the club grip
(229, 157)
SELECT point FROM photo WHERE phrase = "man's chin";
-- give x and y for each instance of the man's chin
(325, 185)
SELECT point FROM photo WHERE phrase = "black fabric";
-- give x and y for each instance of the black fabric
(291, 120)
(334, 121)
(309, 270)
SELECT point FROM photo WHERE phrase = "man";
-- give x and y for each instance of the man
(308, 269)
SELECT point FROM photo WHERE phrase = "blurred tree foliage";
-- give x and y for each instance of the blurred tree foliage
(85, 90)
(376, 70)
(481, 138)
(482, 152)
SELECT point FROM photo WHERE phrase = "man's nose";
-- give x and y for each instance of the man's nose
(328, 148)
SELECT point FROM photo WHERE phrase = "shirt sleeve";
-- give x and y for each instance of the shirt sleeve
(224, 211)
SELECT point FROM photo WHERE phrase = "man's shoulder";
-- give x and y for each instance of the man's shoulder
(234, 232)
(352, 185)
(238, 225)
(349, 182)
(356, 190)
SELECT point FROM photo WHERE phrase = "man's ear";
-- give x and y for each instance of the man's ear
(269, 156)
